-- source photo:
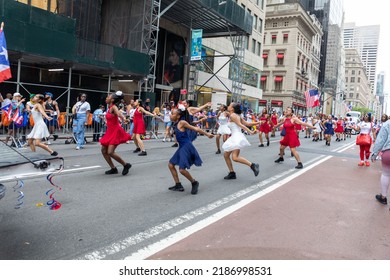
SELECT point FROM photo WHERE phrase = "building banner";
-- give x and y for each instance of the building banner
(196, 44)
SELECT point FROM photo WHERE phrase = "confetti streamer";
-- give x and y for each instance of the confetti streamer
(53, 203)
(17, 188)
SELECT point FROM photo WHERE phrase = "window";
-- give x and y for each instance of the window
(280, 59)
(273, 39)
(274, 24)
(358, 80)
(263, 82)
(253, 45)
(260, 25)
(278, 83)
(255, 20)
(247, 42)
(353, 72)
(352, 79)
(285, 38)
(346, 79)
(286, 23)
(265, 59)
(258, 48)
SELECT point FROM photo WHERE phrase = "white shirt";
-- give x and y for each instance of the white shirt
(82, 107)
(365, 127)
(167, 114)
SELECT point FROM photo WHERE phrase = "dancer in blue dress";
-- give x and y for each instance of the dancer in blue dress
(186, 155)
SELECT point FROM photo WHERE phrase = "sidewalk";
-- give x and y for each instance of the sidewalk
(329, 212)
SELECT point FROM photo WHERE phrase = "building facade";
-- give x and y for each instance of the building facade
(291, 56)
(366, 40)
(357, 86)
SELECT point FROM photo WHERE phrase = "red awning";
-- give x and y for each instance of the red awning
(262, 102)
(277, 103)
(265, 55)
(273, 36)
(263, 78)
(280, 55)
(285, 35)
(278, 79)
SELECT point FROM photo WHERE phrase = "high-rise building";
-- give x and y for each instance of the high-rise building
(330, 14)
(366, 40)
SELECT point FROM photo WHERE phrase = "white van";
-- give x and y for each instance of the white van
(354, 116)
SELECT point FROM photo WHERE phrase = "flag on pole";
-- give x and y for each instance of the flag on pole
(5, 70)
(312, 98)
(18, 117)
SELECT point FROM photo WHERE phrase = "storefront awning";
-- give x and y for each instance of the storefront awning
(262, 102)
(278, 103)
(265, 55)
(280, 55)
(263, 78)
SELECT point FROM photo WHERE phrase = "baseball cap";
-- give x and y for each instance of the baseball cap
(49, 94)
(17, 94)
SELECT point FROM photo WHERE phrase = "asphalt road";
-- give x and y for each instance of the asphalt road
(114, 216)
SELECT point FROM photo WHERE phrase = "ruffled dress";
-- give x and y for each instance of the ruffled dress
(39, 130)
(139, 123)
(291, 138)
(115, 133)
(186, 155)
(223, 128)
(237, 140)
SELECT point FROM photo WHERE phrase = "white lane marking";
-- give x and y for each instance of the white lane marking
(156, 230)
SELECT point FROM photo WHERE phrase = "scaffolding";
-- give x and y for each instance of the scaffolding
(237, 65)
(149, 44)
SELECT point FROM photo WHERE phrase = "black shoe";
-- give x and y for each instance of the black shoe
(54, 154)
(143, 153)
(175, 145)
(195, 186)
(55, 137)
(231, 175)
(218, 151)
(112, 171)
(292, 154)
(137, 150)
(126, 168)
(280, 159)
(305, 137)
(255, 168)
(261, 145)
(177, 188)
(267, 143)
(299, 166)
(381, 199)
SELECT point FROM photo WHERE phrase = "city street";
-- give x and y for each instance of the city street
(135, 216)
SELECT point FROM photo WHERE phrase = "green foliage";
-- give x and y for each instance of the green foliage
(362, 110)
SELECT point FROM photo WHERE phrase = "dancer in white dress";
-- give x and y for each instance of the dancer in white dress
(223, 128)
(237, 141)
(40, 129)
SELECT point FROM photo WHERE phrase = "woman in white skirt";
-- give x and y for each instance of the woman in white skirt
(223, 128)
(237, 140)
(39, 130)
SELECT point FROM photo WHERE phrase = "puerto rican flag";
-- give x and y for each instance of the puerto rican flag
(18, 117)
(7, 109)
(5, 70)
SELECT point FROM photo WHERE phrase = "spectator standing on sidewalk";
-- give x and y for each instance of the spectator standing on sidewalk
(16, 104)
(80, 111)
(382, 148)
(51, 109)
(97, 121)
(115, 134)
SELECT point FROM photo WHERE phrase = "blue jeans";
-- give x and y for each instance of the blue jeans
(79, 129)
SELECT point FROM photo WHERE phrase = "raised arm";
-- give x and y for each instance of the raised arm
(193, 110)
(184, 124)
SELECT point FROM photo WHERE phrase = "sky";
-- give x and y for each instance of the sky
(373, 12)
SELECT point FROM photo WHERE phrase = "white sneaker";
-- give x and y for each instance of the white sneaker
(48, 142)
(164, 140)
(77, 148)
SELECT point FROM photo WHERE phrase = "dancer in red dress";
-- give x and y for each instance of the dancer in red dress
(139, 127)
(265, 127)
(291, 138)
(114, 135)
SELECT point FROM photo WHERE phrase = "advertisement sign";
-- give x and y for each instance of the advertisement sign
(196, 44)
